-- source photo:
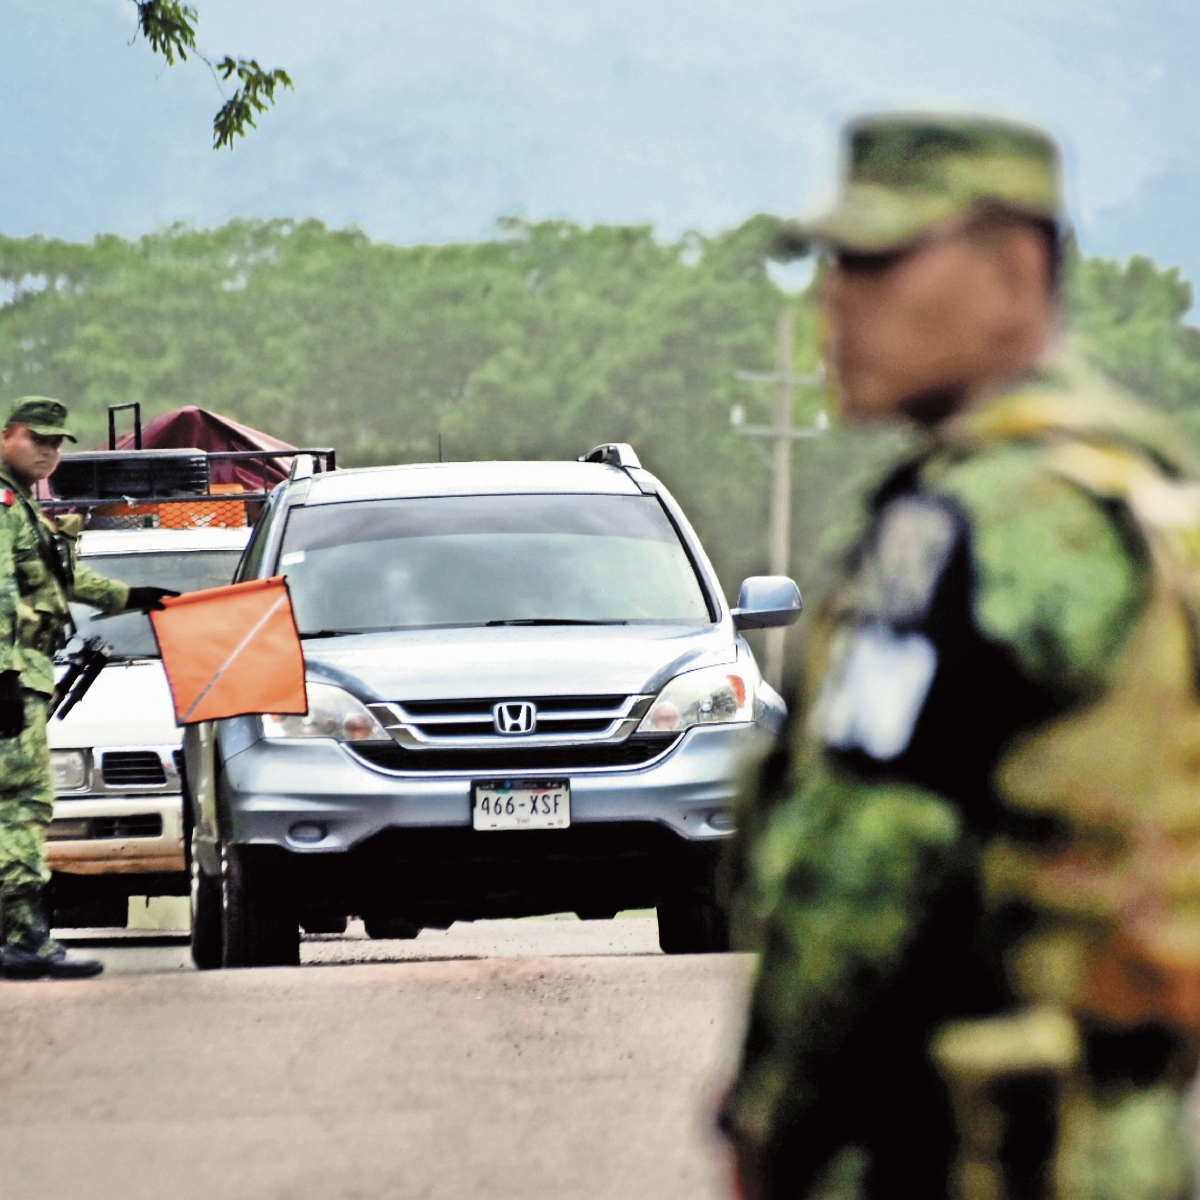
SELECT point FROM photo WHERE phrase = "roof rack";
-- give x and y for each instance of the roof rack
(322, 459)
(113, 409)
(617, 454)
(141, 477)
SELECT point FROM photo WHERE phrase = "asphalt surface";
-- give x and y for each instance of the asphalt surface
(544, 1059)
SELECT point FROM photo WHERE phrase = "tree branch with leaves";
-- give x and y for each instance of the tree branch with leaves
(169, 28)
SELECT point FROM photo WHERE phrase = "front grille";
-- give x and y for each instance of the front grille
(629, 753)
(482, 728)
(179, 763)
(454, 722)
(141, 825)
(132, 768)
(458, 708)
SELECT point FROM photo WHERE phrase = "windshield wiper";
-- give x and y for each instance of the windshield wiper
(553, 621)
(324, 633)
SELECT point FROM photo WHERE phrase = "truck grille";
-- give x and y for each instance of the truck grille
(81, 829)
(132, 768)
(630, 753)
(441, 724)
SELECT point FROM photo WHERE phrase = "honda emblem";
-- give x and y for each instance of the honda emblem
(514, 716)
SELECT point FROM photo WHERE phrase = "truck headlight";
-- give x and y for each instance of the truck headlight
(68, 769)
(332, 713)
(710, 696)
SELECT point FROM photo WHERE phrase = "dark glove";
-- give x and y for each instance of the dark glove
(148, 599)
(12, 704)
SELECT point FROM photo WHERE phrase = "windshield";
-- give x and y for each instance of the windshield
(130, 634)
(480, 560)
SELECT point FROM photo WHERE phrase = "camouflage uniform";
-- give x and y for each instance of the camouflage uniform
(973, 867)
(38, 575)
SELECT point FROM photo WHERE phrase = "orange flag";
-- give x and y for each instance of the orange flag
(232, 650)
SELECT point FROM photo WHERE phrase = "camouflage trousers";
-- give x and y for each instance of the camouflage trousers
(26, 805)
(1128, 1144)
(1116, 1101)
(1131, 1143)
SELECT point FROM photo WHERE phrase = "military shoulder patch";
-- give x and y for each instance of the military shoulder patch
(7, 497)
(874, 694)
(909, 548)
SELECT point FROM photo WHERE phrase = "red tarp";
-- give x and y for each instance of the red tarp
(197, 427)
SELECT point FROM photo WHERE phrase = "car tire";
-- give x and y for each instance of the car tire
(206, 914)
(259, 926)
(691, 924)
(384, 928)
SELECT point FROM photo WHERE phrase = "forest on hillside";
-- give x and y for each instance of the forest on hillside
(539, 343)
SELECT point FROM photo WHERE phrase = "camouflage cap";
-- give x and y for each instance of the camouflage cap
(41, 414)
(905, 172)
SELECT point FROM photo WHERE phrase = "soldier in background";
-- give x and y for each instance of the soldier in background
(38, 575)
(973, 866)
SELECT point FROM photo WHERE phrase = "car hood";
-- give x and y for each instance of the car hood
(129, 704)
(448, 664)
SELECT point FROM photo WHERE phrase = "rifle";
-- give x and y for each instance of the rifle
(84, 666)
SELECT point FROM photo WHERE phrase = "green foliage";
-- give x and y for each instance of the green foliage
(539, 343)
(170, 28)
(1130, 321)
(255, 93)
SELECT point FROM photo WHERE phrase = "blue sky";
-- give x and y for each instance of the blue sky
(426, 121)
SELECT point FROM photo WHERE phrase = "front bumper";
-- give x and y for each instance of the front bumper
(107, 854)
(405, 845)
(271, 786)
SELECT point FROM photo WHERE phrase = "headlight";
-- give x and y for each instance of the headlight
(332, 713)
(68, 769)
(710, 696)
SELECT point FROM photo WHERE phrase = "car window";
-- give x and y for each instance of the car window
(475, 560)
(130, 634)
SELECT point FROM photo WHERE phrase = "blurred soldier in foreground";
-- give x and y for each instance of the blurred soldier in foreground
(38, 575)
(973, 869)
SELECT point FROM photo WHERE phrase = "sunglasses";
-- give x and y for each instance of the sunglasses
(858, 263)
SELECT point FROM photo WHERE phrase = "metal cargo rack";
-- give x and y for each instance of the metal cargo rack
(321, 458)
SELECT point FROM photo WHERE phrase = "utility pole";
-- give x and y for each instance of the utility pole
(784, 433)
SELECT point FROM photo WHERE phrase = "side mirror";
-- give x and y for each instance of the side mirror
(767, 601)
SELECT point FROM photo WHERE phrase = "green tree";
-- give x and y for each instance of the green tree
(1130, 322)
(538, 343)
(169, 26)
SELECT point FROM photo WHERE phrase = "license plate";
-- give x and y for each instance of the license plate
(521, 804)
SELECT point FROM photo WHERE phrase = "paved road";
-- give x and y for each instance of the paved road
(540, 1060)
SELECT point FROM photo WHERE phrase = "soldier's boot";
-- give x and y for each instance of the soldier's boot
(27, 951)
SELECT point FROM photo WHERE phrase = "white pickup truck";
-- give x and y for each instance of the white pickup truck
(118, 827)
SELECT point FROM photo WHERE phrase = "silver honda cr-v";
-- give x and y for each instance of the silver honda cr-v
(527, 694)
